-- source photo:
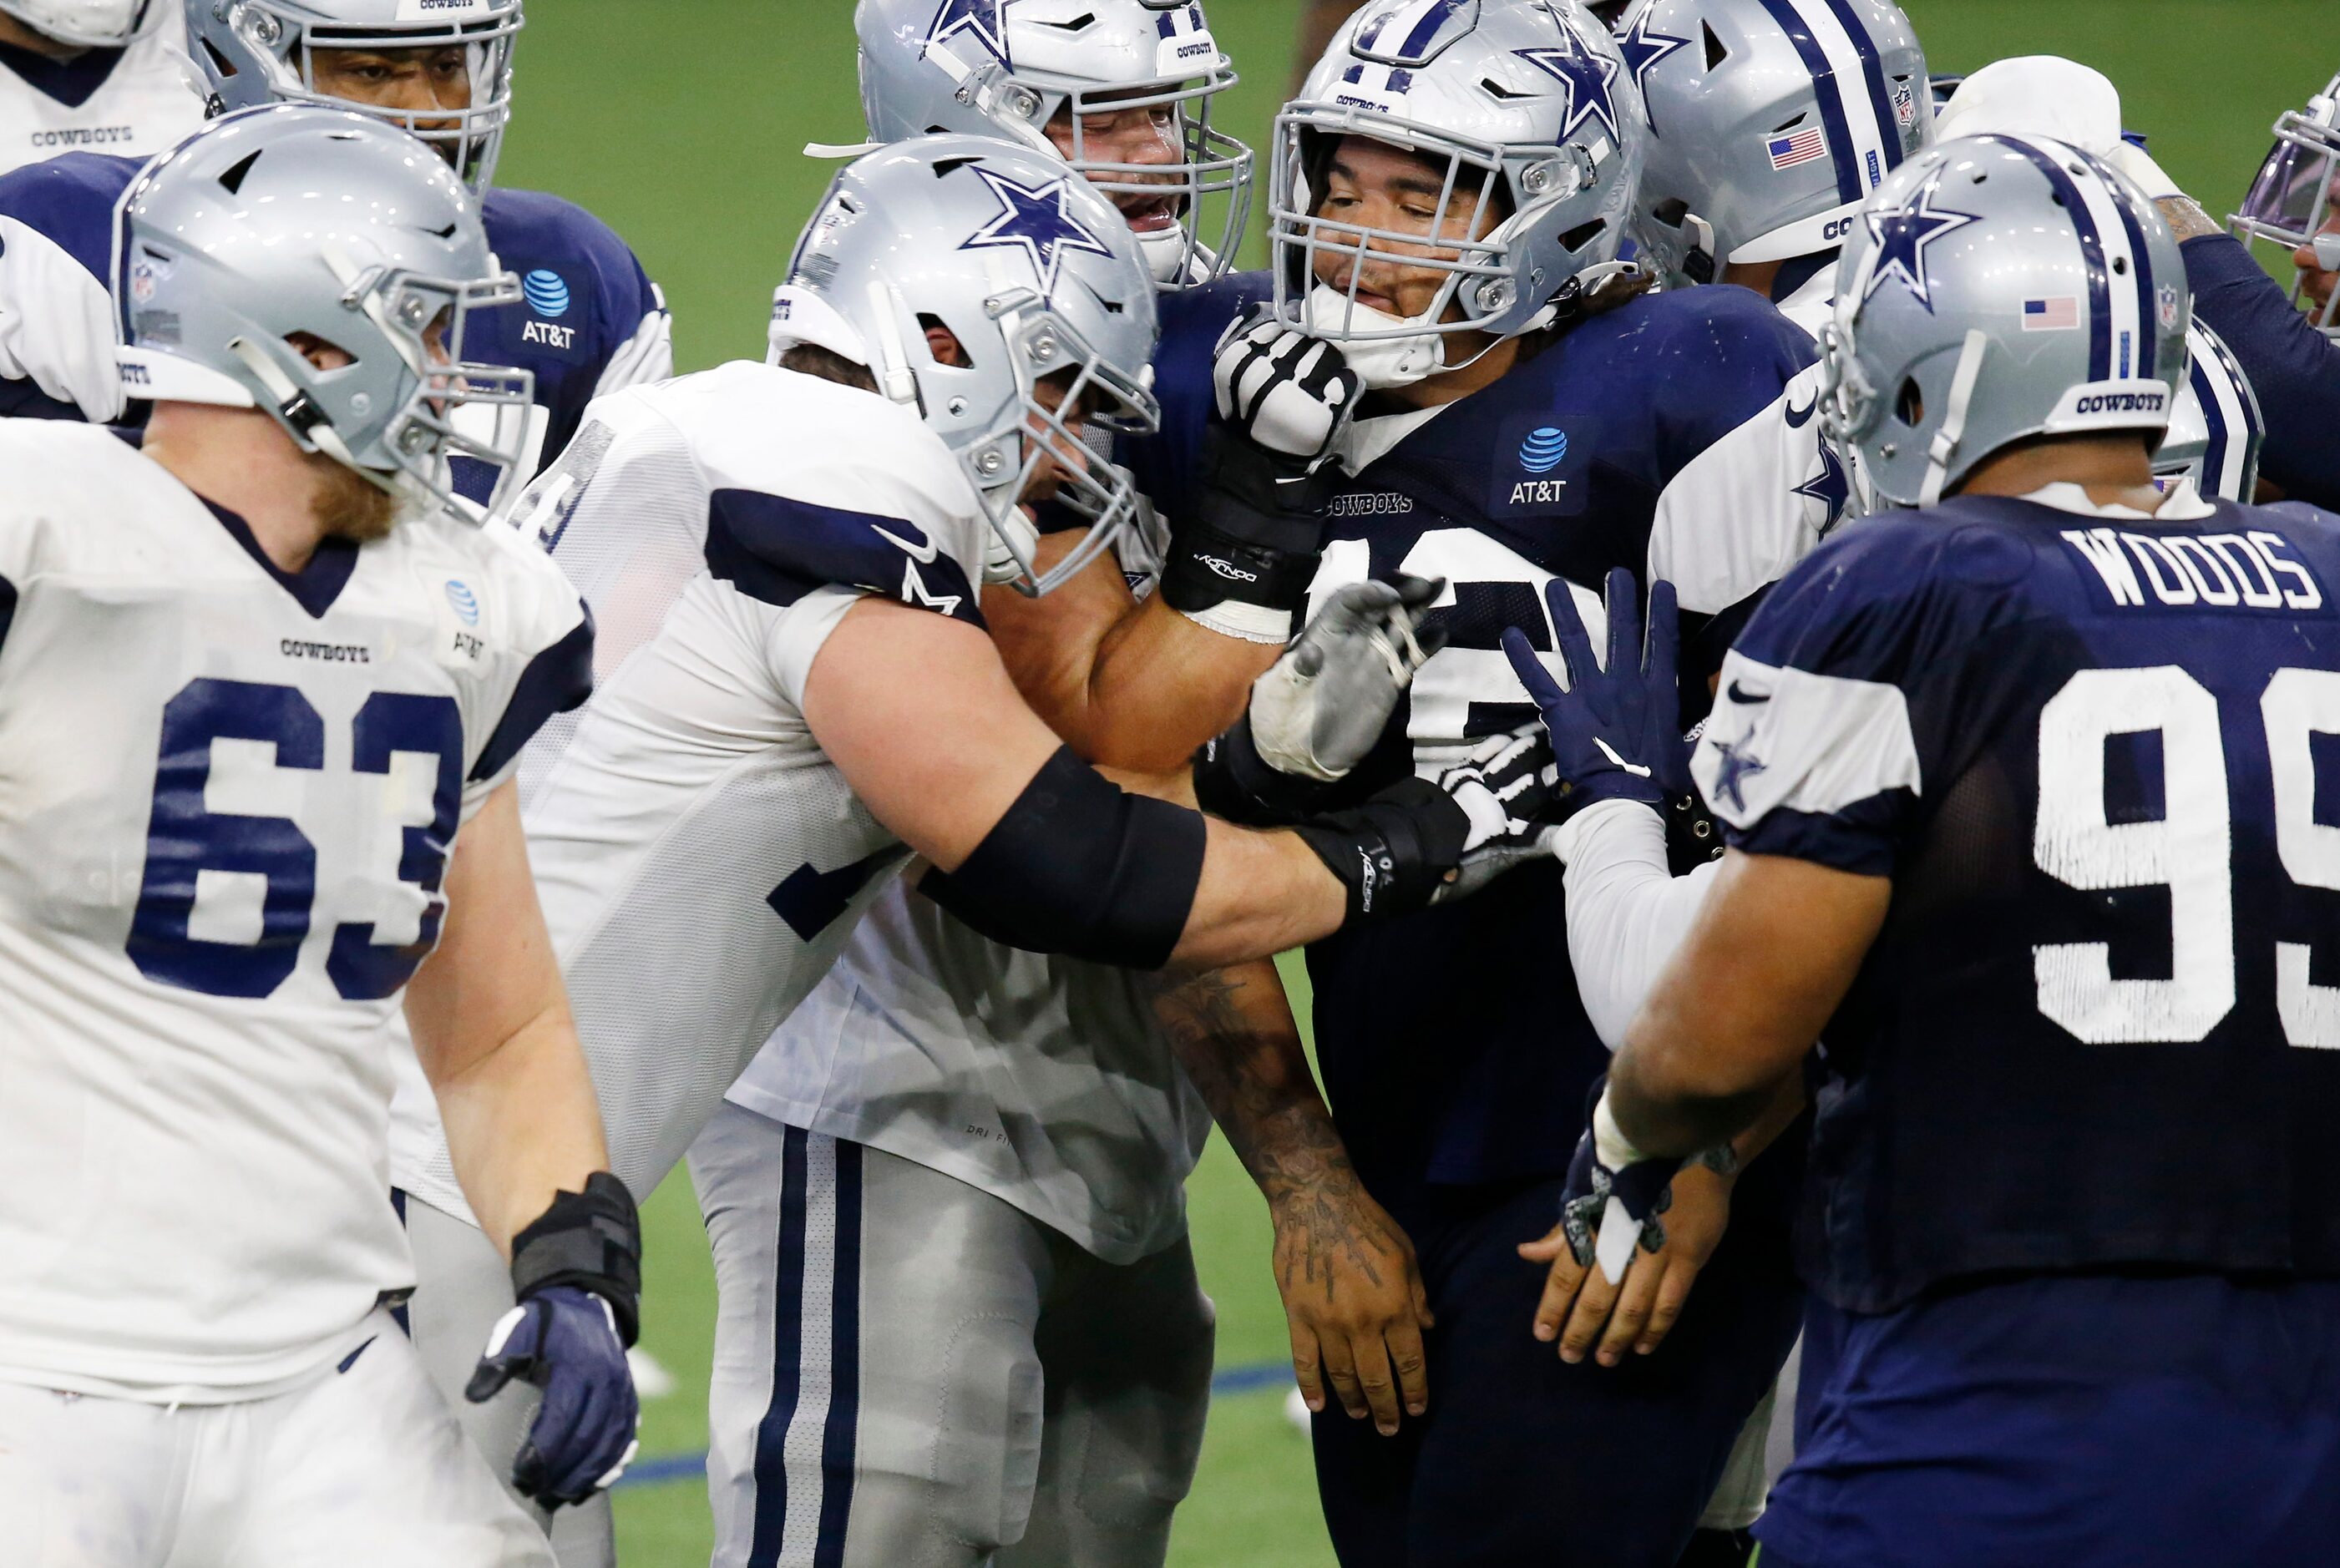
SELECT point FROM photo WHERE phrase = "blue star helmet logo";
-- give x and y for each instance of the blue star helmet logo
(1036, 222)
(1588, 77)
(1830, 487)
(1902, 235)
(978, 17)
(1643, 48)
(1733, 768)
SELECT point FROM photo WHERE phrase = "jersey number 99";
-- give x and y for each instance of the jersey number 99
(2189, 850)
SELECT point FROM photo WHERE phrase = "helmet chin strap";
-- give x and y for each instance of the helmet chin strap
(294, 406)
(1953, 418)
(1381, 361)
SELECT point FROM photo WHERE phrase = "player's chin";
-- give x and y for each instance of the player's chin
(351, 507)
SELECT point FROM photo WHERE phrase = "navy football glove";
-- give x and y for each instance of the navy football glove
(565, 1341)
(577, 1273)
(1615, 731)
(1611, 1202)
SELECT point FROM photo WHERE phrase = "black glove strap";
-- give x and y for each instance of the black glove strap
(590, 1239)
(1393, 852)
(1233, 781)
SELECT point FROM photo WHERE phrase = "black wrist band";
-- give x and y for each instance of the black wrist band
(1392, 853)
(1206, 567)
(590, 1239)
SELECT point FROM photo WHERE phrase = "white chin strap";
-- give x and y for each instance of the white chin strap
(1174, 256)
(1954, 419)
(1381, 362)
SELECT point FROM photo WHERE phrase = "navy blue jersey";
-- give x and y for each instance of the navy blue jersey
(2100, 759)
(2293, 367)
(590, 321)
(1662, 438)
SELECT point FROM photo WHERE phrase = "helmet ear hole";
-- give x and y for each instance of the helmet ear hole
(944, 345)
(1909, 405)
(1671, 212)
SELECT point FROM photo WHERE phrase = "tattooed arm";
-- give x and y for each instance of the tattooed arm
(1352, 1295)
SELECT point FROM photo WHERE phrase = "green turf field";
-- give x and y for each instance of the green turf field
(686, 139)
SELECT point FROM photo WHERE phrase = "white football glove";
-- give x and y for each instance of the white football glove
(1291, 393)
(1503, 787)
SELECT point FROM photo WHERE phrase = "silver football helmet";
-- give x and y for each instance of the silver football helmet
(1528, 107)
(1994, 288)
(256, 51)
(2292, 203)
(1007, 68)
(1769, 122)
(2216, 427)
(91, 23)
(1035, 273)
(291, 219)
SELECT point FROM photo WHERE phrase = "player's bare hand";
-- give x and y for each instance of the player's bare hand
(1354, 1299)
(1586, 1314)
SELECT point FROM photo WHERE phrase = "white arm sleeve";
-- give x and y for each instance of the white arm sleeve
(1627, 912)
(56, 324)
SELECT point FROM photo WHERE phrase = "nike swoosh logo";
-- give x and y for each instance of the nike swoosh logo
(924, 553)
(1740, 694)
(1798, 418)
(1610, 752)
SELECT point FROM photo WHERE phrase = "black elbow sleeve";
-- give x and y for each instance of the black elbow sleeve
(1079, 867)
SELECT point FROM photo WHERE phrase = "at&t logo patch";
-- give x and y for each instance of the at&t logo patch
(1544, 449)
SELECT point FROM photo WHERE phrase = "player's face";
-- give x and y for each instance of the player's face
(407, 81)
(2316, 283)
(1375, 185)
(1144, 135)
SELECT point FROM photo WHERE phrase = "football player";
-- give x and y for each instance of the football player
(2020, 787)
(262, 695)
(91, 74)
(1770, 120)
(1447, 196)
(588, 320)
(1025, 1110)
(957, 310)
(1123, 89)
(2263, 356)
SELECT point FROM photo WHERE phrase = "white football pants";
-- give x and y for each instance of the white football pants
(910, 1373)
(362, 1468)
(462, 1287)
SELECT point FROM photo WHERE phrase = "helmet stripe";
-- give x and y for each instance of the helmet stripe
(1847, 79)
(2230, 410)
(2214, 416)
(2092, 252)
(2141, 266)
(1790, 18)
(1872, 72)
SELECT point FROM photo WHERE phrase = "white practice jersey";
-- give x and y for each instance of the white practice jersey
(1042, 1080)
(226, 800)
(135, 102)
(700, 860)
